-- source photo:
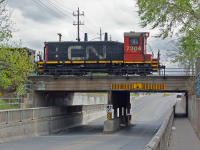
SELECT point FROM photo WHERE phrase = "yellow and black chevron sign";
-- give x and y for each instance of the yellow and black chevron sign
(108, 116)
(138, 86)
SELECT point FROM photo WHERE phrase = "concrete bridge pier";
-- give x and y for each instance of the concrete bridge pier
(120, 101)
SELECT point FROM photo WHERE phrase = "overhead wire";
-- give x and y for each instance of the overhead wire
(84, 17)
(57, 8)
(49, 10)
(85, 28)
(65, 6)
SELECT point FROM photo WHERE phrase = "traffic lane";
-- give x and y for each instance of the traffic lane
(153, 109)
(69, 137)
(136, 105)
(135, 136)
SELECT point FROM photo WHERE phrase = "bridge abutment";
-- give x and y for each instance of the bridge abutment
(120, 101)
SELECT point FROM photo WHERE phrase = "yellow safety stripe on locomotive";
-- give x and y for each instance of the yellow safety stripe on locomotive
(68, 62)
(79, 62)
(91, 61)
(40, 62)
(154, 65)
(137, 62)
(104, 61)
(51, 62)
(155, 69)
(118, 61)
(137, 86)
(60, 62)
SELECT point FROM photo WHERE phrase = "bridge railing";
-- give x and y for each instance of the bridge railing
(121, 72)
(18, 115)
(161, 139)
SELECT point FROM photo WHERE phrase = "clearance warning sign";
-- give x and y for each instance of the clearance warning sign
(138, 86)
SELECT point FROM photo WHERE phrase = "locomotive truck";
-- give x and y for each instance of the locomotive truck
(114, 58)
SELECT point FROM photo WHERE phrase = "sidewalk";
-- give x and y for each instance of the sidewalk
(184, 136)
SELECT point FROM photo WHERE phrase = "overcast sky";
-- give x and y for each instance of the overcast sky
(40, 20)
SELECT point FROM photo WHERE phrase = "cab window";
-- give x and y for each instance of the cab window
(133, 41)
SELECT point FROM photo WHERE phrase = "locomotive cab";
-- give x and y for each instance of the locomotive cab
(135, 47)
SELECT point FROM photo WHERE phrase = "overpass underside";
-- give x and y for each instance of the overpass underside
(101, 84)
(118, 89)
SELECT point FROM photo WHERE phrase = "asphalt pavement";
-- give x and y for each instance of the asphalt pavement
(148, 114)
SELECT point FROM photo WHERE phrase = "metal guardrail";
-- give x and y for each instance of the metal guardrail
(15, 102)
(18, 115)
(161, 139)
(10, 102)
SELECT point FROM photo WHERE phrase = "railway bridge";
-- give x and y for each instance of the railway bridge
(118, 89)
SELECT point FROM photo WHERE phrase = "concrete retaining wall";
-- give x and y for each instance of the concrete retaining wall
(193, 111)
(62, 98)
(45, 126)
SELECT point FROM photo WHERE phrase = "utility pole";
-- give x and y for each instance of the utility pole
(78, 23)
(100, 34)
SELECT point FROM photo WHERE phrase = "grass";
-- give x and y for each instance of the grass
(167, 94)
(98, 92)
(3, 105)
(133, 94)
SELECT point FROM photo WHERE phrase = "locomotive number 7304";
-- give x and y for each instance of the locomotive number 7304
(134, 48)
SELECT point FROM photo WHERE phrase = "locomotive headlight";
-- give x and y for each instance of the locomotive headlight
(56, 56)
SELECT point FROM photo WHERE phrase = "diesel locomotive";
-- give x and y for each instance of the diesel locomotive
(114, 58)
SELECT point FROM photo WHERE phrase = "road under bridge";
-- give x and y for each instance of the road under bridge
(118, 89)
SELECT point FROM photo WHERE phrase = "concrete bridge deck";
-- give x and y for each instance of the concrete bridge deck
(103, 83)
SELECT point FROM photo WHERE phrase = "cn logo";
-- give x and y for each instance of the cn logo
(87, 53)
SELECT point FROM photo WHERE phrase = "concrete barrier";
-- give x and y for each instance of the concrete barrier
(33, 122)
(193, 111)
(63, 98)
(160, 140)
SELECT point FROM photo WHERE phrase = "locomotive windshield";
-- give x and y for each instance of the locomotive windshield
(133, 41)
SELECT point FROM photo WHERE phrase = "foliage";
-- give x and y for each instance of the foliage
(6, 25)
(98, 74)
(184, 15)
(185, 49)
(167, 95)
(133, 94)
(15, 64)
(190, 85)
(188, 50)
(16, 67)
(3, 105)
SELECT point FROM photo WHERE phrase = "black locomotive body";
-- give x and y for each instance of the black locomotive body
(80, 58)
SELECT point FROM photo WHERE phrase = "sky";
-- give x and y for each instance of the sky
(38, 21)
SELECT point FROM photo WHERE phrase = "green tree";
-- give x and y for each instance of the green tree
(6, 24)
(171, 16)
(188, 49)
(15, 64)
(16, 67)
